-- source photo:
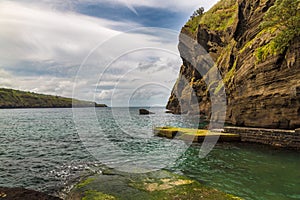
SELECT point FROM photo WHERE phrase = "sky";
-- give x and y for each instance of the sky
(117, 52)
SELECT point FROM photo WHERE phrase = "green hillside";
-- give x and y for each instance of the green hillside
(10, 98)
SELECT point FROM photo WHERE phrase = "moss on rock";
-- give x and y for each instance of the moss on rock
(194, 135)
(218, 18)
(158, 185)
(94, 195)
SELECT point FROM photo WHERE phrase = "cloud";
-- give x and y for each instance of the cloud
(42, 49)
(175, 5)
(145, 78)
(104, 95)
(38, 34)
(40, 84)
(6, 79)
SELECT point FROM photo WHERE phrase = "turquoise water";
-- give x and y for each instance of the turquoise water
(43, 148)
(247, 170)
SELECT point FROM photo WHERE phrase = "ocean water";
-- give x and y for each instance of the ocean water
(45, 149)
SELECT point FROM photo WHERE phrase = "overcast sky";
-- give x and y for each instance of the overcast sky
(99, 48)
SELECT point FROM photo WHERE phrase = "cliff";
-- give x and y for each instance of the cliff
(254, 45)
(19, 99)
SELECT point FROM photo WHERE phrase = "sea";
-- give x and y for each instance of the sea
(49, 149)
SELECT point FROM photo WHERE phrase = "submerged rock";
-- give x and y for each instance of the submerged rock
(23, 194)
(145, 112)
(114, 185)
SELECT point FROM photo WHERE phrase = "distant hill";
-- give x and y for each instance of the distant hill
(10, 98)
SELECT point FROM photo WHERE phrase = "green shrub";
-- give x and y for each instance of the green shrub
(221, 16)
(283, 19)
(218, 18)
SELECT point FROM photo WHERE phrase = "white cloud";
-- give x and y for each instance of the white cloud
(42, 84)
(104, 95)
(6, 79)
(176, 5)
(143, 77)
(34, 33)
(37, 34)
(173, 5)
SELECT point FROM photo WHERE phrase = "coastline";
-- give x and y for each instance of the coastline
(24, 194)
(118, 185)
(10, 99)
(49, 107)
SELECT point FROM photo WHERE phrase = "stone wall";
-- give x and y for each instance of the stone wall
(275, 137)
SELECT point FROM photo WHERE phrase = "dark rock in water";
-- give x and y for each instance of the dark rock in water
(23, 194)
(145, 112)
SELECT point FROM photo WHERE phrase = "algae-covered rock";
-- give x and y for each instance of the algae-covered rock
(158, 185)
(23, 194)
(195, 135)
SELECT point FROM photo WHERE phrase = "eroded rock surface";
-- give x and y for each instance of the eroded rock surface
(23, 194)
(258, 93)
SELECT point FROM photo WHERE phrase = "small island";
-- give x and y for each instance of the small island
(10, 98)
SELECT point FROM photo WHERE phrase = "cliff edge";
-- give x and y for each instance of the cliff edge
(255, 47)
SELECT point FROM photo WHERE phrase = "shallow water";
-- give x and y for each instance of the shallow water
(247, 170)
(44, 148)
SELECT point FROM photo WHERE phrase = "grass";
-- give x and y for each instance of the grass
(94, 195)
(218, 18)
(221, 16)
(193, 23)
(275, 46)
(85, 182)
(10, 98)
(231, 72)
(228, 77)
(280, 26)
(157, 185)
(247, 45)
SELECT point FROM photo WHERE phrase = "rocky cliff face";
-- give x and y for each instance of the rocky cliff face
(259, 92)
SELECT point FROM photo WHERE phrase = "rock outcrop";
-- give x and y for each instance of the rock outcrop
(145, 112)
(115, 185)
(24, 194)
(260, 91)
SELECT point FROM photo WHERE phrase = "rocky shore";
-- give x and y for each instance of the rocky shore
(115, 185)
(23, 194)
(158, 185)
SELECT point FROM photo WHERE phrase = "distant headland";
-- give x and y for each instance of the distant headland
(10, 98)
